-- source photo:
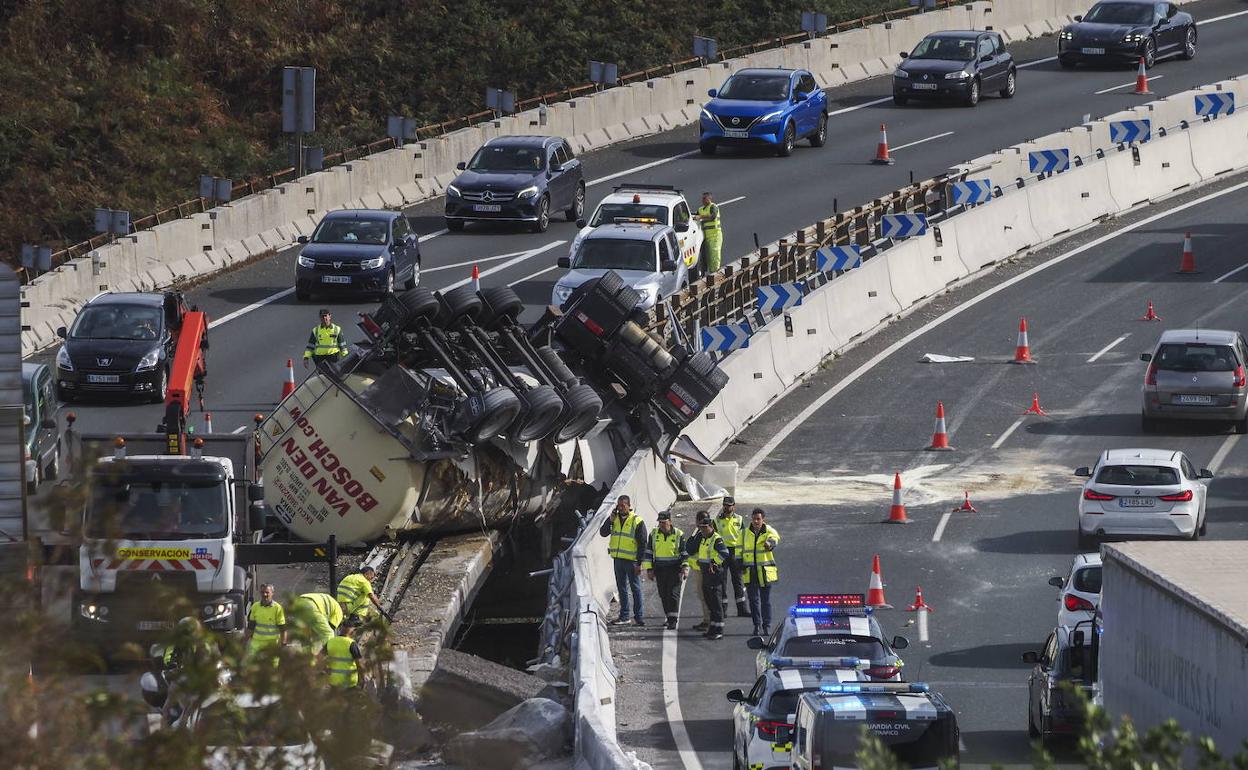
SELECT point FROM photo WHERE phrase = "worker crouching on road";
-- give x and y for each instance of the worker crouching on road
(729, 525)
(708, 550)
(626, 546)
(356, 595)
(266, 622)
(343, 654)
(664, 563)
(758, 562)
(325, 343)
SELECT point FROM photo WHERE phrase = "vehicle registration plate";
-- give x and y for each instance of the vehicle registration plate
(1137, 502)
(736, 134)
(486, 207)
(154, 625)
(102, 378)
(925, 86)
(335, 279)
(1190, 399)
(1093, 51)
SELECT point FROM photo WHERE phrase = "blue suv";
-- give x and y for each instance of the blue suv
(517, 179)
(765, 107)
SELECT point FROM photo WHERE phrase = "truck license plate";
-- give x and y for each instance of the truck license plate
(1093, 51)
(736, 134)
(154, 625)
(335, 279)
(925, 86)
(486, 207)
(1137, 502)
(103, 378)
(1195, 399)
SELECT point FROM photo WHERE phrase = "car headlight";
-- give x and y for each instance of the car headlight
(372, 264)
(959, 75)
(527, 192)
(305, 261)
(646, 294)
(452, 191)
(901, 74)
(62, 360)
(218, 610)
(562, 293)
(770, 117)
(706, 115)
(148, 361)
(1133, 37)
(93, 611)
(1067, 35)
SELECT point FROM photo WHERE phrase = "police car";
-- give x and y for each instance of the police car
(763, 719)
(830, 627)
(916, 725)
(654, 203)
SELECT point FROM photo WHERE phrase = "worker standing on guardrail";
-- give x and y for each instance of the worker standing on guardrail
(626, 546)
(758, 560)
(729, 525)
(325, 342)
(708, 216)
(664, 563)
(710, 553)
(355, 593)
(266, 622)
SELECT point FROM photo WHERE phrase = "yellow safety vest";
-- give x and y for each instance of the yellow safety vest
(325, 606)
(753, 554)
(729, 528)
(343, 671)
(707, 553)
(324, 341)
(269, 622)
(664, 549)
(711, 223)
(353, 593)
(623, 542)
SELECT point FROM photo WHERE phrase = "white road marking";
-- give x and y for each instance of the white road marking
(940, 528)
(671, 698)
(1224, 17)
(533, 275)
(1219, 456)
(1222, 278)
(997, 444)
(239, 429)
(470, 262)
(642, 167)
(733, 200)
(1107, 348)
(432, 235)
(242, 311)
(793, 424)
(513, 261)
(1150, 79)
(920, 141)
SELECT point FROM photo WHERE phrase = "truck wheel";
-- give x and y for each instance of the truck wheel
(499, 409)
(500, 302)
(460, 302)
(584, 406)
(419, 303)
(554, 362)
(545, 409)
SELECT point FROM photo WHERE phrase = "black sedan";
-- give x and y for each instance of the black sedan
(1066, 665)
(1124, 31)
(955, 65)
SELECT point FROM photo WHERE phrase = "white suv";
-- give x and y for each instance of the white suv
(650, 204)
(1145, 492)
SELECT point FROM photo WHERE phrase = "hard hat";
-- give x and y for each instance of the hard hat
(323, 311)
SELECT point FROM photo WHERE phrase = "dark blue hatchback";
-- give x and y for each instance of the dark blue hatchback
(765, 108)
(358, 251)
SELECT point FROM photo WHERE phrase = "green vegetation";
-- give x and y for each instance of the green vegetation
(125, 104)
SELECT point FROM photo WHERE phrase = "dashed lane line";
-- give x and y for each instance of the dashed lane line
(1107, 348)
(921, 141)
(531, 276)
(1236, 271)
(997, 444)
(471, 262)
(513, 261)
(1219, 456)
(1150, 79)
(940, 528)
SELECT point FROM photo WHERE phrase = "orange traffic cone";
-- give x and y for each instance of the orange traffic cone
(940, 436)
(476, 278)
(881, 150)
(1150, 315)
(1141, 79)
(897, 514)
(1035, 406)
(966, 504)
(207, 422)
(919, 604)
(1187, 265)
(1022, 352)
(875, 591)
(288, 386)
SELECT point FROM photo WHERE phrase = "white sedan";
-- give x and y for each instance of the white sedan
(1081, 590)
(1142, 492)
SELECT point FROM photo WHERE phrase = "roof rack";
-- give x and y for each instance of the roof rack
(644, 186)
(635, 221)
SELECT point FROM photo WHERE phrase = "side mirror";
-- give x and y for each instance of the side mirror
(900, 643)
(905, 55)
(564, 262)
(711, 93)
(756, 643)
(1031, 657)
(800, 97)
(49, 423)
(681, 227)
(460, 166)
(1078, 18)
(1078, 638)
(1205, 473)
(255, 517)
(154, 694)
(1057, 581)
(555, 168)
(985, 59)
(668, 266)
(580, 223)
(1083, 470)
(255, 493)
(301, 239)
(735, 696)
(62, 332)
(1146, 357)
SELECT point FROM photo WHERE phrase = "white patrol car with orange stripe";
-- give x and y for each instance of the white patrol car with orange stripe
(654, 203)
(830, 627)
(644, 254)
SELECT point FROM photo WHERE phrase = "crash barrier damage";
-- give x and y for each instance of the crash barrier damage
(207, 242)
(850, 279)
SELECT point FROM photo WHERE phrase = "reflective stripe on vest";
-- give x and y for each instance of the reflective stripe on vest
(711, 224)
(326, 340)
(326, 606)
(343, 671)
(754, 554)
(729, 528)
(353, 592)
(664, 549)
(269, 621)
(623, 542)
(707, 552)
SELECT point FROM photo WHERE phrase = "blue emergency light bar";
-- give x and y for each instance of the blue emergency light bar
(851, 687)
(830, 604)
(844, 662)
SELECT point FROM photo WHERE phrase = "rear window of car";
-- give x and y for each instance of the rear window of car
(1088, 580)
(829, 646)
(1137, 475)
(1196, 357)
(609, 212)
(784, 702)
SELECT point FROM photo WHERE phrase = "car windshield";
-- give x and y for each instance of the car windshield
(508, 158)
(834, 646)
(950, 48)
(1088, 580)
(220, 724)
(1195, 357)
(1138, 475)
(1120, 13)
(156, 510)
(609, 212)
(368, 231)
(756, 88)
(117, 322)
(616, 254)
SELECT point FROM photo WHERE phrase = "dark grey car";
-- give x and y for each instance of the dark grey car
(517, 179)
(1196, 374)
(956, 65)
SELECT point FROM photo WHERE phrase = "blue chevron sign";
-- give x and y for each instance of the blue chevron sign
(1122, 131)
(725, 337)
(778, 297)
(1049, 161)
(831, 258)
(972, 191)
(1214, 104)
(903, 225)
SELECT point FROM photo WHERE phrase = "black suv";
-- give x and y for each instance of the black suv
(517, 179)
(358, 251)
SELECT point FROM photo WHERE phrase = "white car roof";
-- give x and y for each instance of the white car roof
(647, 196)
(1167, 457)
(1086, 560)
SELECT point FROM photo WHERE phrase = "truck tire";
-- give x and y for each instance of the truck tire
(554, 362)
(584, 406)
(460, 302)
(704, 365)
(499, 409)
(500, 302)
(545, 407)
(419, 303)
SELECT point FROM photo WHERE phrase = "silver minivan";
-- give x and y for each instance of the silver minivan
(1196, 374)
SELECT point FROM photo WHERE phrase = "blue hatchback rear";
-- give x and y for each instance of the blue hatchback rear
(770, 108)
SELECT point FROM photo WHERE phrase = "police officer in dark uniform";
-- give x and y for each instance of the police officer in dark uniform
(664, 563)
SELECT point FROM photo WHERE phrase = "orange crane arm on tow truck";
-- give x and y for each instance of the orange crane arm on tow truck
(188, 371)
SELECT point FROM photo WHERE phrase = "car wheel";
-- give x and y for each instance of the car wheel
(1241, 425)
(455, 225)
(899, 100)
(785, 149)
(972, 96)
(1189, 44)
(706, 148)
(1067, 64)
(1150, 53)
(162, 387)
(1011, 83)
(1202, 530)
(578, 204)
(388, 291)
(820, 137)
(303, 296)
(410, 283)
(1032, 730)
(543, 215)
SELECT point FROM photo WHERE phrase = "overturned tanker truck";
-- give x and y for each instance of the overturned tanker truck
(451, 415)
